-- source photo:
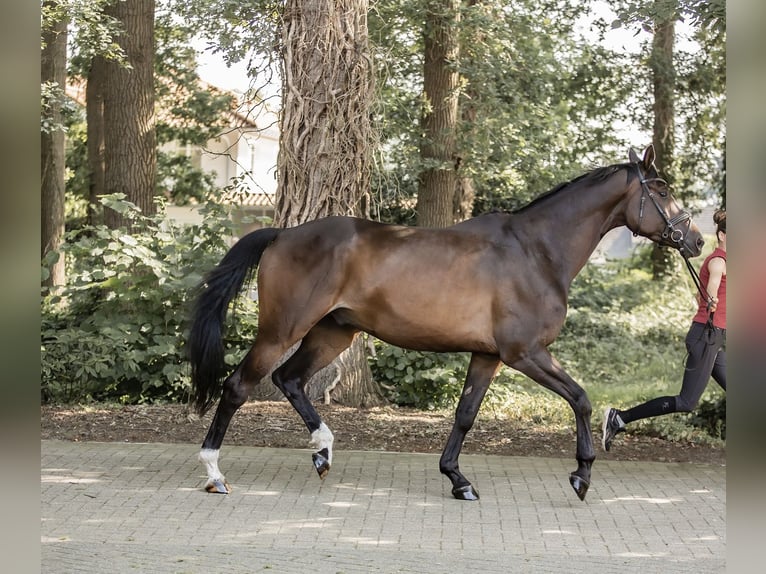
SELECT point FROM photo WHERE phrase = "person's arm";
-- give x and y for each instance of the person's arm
(717, 268)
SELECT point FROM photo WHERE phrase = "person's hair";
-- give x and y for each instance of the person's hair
(719, 218)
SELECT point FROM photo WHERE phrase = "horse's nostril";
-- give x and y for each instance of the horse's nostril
(700, 242)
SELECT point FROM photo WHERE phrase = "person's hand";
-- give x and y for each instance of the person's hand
(712, 304)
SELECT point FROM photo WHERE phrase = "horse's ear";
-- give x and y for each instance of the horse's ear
(632, 156)
(649, 156)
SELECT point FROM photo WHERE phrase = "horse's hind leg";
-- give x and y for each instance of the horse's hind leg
(236, 390)
(542, 368)
(326, 340)
(481, 371)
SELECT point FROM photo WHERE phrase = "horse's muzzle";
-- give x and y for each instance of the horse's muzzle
(692, 245)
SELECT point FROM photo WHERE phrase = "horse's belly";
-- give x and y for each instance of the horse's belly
(424, 331)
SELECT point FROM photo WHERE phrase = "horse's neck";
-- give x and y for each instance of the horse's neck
(569, 226)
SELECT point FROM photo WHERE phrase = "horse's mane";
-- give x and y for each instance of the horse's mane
(593, 176)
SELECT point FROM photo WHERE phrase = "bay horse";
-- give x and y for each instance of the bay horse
(495, 285)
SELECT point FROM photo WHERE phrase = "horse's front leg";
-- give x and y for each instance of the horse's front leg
(480, 373)
(543, 368)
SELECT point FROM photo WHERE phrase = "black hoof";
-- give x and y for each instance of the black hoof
(465, 493)
(580, 485)
(218, 487)
(321, 463)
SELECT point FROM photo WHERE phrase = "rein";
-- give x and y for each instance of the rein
(701, 288)
(710, 328)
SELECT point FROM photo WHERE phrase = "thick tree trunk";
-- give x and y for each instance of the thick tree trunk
(52, 152)
(325, 156)
(130, 143)
(663, 137)
(438, 181)
(326, 138)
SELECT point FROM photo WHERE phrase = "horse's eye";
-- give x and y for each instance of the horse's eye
(663, 193)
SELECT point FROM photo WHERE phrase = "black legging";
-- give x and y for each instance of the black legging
(706, 357)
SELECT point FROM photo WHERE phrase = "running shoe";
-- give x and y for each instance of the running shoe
(612, 425)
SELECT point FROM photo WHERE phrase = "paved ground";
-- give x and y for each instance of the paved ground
(114, 508)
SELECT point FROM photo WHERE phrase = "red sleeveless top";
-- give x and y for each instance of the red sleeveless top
(719, 317)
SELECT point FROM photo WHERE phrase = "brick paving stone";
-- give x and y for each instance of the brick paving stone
(121, 507)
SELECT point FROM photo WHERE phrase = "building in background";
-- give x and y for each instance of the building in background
(242, 160)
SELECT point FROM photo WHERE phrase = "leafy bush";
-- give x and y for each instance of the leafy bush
(116, 330)
(710, 416)
(431, 381)
(417, 379)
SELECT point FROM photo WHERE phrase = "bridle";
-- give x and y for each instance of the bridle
(672, 232)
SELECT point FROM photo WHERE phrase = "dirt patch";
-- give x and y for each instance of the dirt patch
(276, 424)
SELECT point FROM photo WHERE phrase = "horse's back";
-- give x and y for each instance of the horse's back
(359, 257)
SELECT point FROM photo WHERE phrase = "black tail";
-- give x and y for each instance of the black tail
(216, 292)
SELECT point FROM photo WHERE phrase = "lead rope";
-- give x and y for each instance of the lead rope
(703, 292)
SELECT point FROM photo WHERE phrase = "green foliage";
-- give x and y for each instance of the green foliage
(182, 181)
(699, 97)
(77, 172)
(240, 31)
(51, 97)
(418, 379)
(710, 15)
(192, 112)
(433, 381)
(116, 331)
(537, 102)
(701, 109)
(710, 415)
(94, 32)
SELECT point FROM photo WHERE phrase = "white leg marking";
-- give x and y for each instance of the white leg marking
(209, 457)
(323, 438)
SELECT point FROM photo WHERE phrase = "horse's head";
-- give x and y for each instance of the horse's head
(660, 218)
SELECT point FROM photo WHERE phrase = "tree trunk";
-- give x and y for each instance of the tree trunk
(438, 181)
(325, 156)
(94, 109)
(663, 137)
(326, 140)
(465, 192)
(130, 143)
(52, 151)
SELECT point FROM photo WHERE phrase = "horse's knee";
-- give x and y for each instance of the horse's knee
(581, 404)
